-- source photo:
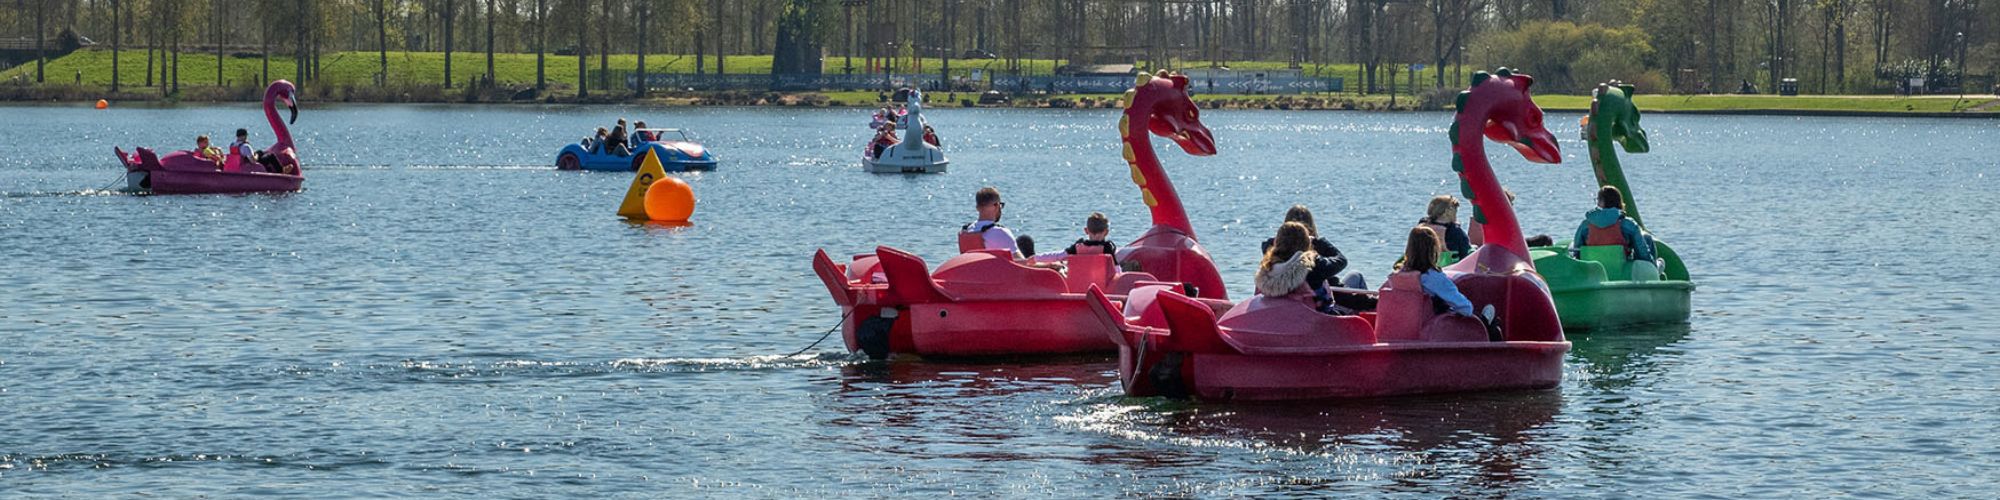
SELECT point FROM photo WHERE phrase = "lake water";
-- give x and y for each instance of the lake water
(442, 313)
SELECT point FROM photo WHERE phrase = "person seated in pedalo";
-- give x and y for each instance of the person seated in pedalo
(1328, 269)
(1607, 226)
(1420, 256)
(986, 233)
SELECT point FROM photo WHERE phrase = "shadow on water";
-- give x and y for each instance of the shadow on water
(1002, 375)
(958, 410)
(1617, 359)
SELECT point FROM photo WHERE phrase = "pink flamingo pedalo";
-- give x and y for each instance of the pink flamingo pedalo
(184, 172)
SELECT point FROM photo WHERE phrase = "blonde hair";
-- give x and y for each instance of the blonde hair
(1421, 253)
(1442, 210)
(1292, 238)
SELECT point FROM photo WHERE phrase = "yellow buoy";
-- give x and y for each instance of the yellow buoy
(650, 171)
(101, 104)
(670, 199)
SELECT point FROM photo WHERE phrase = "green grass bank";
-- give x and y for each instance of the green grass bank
(418, 77)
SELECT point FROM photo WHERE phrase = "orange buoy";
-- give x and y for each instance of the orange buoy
(101, 104)
(669, 199)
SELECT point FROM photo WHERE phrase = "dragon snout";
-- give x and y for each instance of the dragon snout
(1197, 140)
(1632, 138)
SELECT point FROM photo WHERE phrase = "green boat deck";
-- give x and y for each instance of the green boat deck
(1598, 292)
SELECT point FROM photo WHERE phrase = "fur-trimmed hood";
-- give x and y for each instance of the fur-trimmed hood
(1286, 277)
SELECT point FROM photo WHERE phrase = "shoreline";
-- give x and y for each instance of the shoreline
(68, 96)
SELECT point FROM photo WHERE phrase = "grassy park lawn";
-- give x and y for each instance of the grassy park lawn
(358, 69)
(1713, 102)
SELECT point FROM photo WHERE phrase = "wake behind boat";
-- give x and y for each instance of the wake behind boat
(276, 169)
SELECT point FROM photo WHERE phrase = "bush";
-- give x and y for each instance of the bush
(1437, 99)
(1565, 57)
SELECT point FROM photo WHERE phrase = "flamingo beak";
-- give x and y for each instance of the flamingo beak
(294, 107)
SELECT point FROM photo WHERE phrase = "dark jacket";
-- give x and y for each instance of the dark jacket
(1455, 240)
(1329, 264)
(617, 142)
(1636, 243)
(1109, 247)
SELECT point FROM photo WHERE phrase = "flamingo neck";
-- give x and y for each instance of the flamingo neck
(1150, 177)
(1482, 188)
(277, 126)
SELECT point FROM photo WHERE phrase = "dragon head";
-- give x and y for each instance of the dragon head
(1613, 116)
(1163, 103)
(1512, 118)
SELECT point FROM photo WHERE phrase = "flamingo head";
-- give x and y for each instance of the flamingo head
(283, 91)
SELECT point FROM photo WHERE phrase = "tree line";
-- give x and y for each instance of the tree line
(1829, 46)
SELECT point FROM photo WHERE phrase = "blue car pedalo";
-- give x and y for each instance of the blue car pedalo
(678, 151)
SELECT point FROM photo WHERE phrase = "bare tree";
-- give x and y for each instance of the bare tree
(173, 19)
(1450, 19)
(300, 62)
(382, 39)
(41, 32)
(720, 35)
(117, 39)
(450, 12)
(215, 36)
(541, 46)
(645, 33)
(604, 48)
(489, 42)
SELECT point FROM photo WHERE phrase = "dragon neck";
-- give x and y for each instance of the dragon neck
(1604, 161)
(1147, 174)
(1482, 188)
